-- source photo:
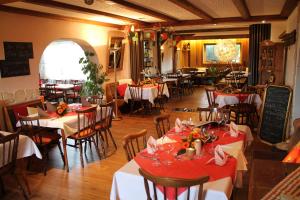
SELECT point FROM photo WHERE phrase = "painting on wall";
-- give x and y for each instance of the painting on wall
(209, 55)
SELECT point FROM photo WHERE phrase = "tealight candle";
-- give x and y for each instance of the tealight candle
(190, 153)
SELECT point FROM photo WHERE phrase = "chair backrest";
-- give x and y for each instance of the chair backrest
(173, 183)
(136, 92)
(160, 87)
(210, 95)
(134, 143)
(162, 124)
(96, 99)
(204, 114)
(8, 152)
(12, 112)
(86, 121)
(50, 88)
(106, 114)
(30, 126)
(250, 99)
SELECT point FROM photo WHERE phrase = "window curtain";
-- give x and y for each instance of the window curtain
(136, 58)
(60, 61)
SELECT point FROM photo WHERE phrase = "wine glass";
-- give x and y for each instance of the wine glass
(156, 162)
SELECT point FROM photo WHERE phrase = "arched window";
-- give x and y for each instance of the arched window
(60, 61)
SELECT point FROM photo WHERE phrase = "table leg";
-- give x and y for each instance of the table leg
(64, 141)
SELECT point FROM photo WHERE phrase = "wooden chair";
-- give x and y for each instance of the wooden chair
(52, 93)
(97, 99)
(8, 158)
(134, 143)
(75, 93)
(86, 121)
(161, 98)
(211, 99)
(44, 138)
(173, 183)
(136, 93)
(162, 124)
(104, 123)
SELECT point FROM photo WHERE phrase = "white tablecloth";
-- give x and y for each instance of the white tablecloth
(26, 147)
(223, 100)
(128, 184)
(149, 93)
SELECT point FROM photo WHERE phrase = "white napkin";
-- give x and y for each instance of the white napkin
(234, 130)
(178, 125)
(220, 156)
(151, 145)
(164, 140)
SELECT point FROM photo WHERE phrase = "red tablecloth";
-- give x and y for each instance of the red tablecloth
(191, 168)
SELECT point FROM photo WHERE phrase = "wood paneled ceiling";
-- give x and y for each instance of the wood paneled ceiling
(182, 15)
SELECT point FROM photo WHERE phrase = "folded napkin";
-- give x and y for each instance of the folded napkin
(151, 145)
(85, 103)
(220, 157)
(164, 140)
(178, 126)
(42, 113)
(234, 130)
(50, 107)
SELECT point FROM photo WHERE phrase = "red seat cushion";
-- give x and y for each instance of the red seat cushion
(121, 89)
(20, 110)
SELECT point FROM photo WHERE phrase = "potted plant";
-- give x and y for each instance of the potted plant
(95, 76)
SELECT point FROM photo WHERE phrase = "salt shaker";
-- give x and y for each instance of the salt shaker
(197, 144)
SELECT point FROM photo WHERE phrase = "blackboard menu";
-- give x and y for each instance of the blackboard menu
(10, 68)
(18, 50)
(274, 114)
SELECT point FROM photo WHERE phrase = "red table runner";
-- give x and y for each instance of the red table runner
(192, 168)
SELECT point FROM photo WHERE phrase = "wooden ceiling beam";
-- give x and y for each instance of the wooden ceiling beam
(145, 11)
(288, 7)
(65, 6)
(213, 30)
(223, 20)
(242, 8)
(193, 9)
(207, 37)
(7, 1)
(54, 16)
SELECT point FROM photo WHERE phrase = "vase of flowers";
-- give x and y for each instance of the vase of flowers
(61, 109)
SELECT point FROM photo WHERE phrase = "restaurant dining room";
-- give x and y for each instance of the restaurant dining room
(150, 100)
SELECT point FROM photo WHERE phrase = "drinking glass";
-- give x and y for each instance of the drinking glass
(156, 162)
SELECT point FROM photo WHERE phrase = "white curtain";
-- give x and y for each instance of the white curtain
(60, 61)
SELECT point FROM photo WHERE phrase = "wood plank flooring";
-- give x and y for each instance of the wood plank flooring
(94, 180)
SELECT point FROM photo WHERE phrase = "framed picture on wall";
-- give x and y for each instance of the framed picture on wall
(209, 55)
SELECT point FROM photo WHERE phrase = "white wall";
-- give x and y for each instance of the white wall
(167, 62)
(41, 32)
(277, 27)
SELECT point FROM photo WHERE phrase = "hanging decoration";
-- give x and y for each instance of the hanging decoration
(131, 33)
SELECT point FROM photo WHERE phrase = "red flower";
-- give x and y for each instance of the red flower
(185, 145)
(196, 135)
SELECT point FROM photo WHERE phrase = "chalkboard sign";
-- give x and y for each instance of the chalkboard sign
(10, 68)
(274, 114)
(18, 50)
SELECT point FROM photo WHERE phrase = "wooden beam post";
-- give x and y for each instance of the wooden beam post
(288, 7)
(193, 9)
(242, 8)
(145, 11)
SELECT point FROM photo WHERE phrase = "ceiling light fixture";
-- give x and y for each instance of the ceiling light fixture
(215, 24)
(89, 2)
(263, 21)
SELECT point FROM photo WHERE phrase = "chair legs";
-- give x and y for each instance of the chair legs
(20, 185)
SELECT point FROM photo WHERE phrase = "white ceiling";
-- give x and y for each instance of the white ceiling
(215, 8)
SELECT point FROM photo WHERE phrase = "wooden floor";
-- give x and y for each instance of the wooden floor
(94, 181)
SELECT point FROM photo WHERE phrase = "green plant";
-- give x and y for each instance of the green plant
(95, 76)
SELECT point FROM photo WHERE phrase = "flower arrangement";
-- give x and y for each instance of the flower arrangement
(61, 109)
(188, 142)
